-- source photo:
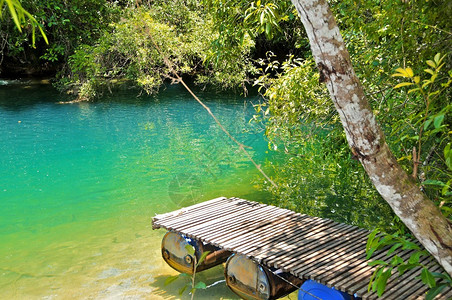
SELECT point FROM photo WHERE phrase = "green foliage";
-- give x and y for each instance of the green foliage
(428, 133)
(20, 16)
(66, 24)
(302, 124)
(127, 51)
(426, 130)
(318, 176)
(265, 24)
(385, 267)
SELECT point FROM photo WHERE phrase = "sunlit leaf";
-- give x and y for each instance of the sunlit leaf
(190, 249)
(437, 58)
(413, 90)
(400, 73)
(409, 71)
(431, 63)
(202, 258)
(403, 84)
(417, 79)
(14, 15)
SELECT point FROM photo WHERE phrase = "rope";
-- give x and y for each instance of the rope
(179, 79)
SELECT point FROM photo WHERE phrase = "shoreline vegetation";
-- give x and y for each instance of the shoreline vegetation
(400, 51)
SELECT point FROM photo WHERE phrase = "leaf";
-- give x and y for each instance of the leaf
(382, 280)
(267, 29)
(393, 248)
(429, 71)
(427, 123)
(431, 63)
(403, 84)
(202, 258)
(190, 249)
(413, 90)
(170, 279)
(448, 155)
(441, 275)
(414, 258)
(373, 283)
(433, 93)
(377, 262)
(438, 120)
(433, 292)
(428, 278)
(401, 72)
(13, 12)
(182, 290)
(417, 79)
(433, 182)
(437, 58)
(396, 260)
(33, 37)
(403, 268)
(409, 245)
(409, 71)
(43, 34)
(371, 238)
(200, 286)
(371, 243)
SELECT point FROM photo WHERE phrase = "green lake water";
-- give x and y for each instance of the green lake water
(79, 184)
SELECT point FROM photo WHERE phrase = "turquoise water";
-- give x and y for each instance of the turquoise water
(80, 182)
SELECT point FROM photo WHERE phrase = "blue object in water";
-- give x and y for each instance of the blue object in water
(321, 291)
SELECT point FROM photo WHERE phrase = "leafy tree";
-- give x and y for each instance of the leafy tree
(386, 35)
(366, 139)
(19, 16)
(127, 52)
(66, 24)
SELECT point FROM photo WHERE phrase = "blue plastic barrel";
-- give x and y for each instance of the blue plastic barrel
(321, 291)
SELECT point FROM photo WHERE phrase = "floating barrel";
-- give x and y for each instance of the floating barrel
(250, 280)
(176, 255)
(311, 288)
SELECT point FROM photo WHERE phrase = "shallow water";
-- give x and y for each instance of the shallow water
(79, 184)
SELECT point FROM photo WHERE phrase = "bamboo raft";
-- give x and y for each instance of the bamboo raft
(307, 247)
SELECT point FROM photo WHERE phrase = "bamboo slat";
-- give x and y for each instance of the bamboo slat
(308, 247)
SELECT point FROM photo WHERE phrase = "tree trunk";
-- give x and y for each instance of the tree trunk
(365, 136)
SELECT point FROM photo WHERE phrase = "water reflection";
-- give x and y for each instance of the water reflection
(80, 182)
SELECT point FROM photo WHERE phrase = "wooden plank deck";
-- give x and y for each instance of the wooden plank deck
(308, 247)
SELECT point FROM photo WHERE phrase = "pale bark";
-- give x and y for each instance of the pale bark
(365, 137)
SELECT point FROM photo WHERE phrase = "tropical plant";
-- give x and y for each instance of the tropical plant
(20, 16)
(191, 284)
